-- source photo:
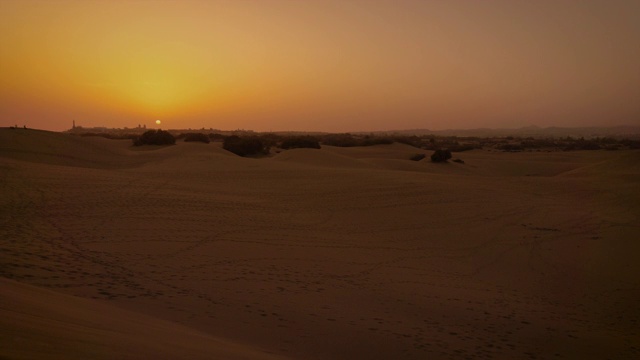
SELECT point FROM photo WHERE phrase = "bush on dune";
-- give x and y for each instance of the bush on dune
(417, 157)
(341, 140)
(441, 155)
(111, 136)
(155, 137)
(349, 140)
(300, 142)
(375, 140)
(510, 147)
(245, 146)
(216, 137)
(191, 137)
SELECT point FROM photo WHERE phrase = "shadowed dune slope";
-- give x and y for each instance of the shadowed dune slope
(37, 323)
(94, 151)
(65, 149)
(538, 164)
(393, 157)
(624, 164)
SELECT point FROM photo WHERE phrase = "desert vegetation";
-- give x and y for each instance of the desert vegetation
(423, 141)
(112, 136)
(299, 142)
(245, 146)
(441, 155)
(195, 137)
(155, 137)
(349, 140)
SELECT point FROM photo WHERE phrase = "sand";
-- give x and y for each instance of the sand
(337, 253)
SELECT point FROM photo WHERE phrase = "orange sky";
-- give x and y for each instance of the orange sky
(319, 65)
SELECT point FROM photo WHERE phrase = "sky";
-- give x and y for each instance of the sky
(335, 66)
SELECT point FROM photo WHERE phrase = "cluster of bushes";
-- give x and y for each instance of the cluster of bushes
(254, 144)
(463, 147)
(510, 147)
(297, 142)
(216, 137)
(349, 140)
(191, 137)
(631, 144)
(155, 137)
(441, 155)
(582, 145)
(112, 136)
(566, 143)
(245, 146)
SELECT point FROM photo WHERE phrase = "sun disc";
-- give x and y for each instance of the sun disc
(158, 122)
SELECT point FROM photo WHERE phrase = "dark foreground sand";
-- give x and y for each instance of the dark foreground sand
(340, 253)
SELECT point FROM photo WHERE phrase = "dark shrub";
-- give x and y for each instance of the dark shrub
(373, 140)
(155, 137)
(216, 137)
(299, 142)
(270, 139)
(190, 137)
(343, 140)
(349, 140)
(631, 144)
(510, 147)
(589, 145)
(461, 148)
(582, 145)
(417, 157)
(441, 155)
(111, 136)
(409, 140)
(245, 146)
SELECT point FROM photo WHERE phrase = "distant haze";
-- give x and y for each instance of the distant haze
(319, 65)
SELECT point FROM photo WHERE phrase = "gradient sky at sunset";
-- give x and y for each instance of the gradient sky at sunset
(319, 65)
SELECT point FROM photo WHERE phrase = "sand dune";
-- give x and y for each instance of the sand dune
(315, 157)
(42, 324)
(324, 254)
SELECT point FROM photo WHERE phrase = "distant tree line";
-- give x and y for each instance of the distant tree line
(195, 137)
(511, 144)
(249, 143)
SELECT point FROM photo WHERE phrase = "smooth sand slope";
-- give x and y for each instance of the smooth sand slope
(337, 253)
(42, 324)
